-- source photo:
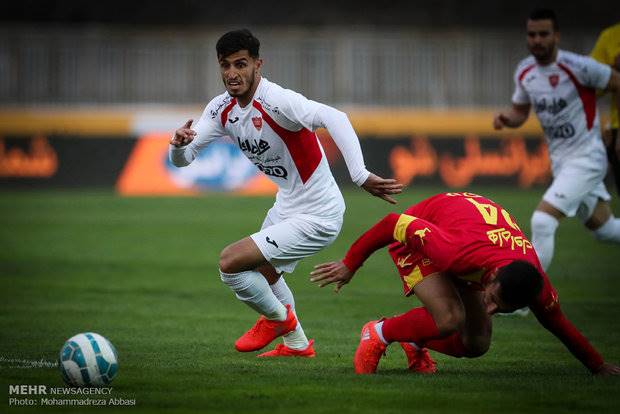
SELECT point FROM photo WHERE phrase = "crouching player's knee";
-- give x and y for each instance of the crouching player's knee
(450, 321)
(476, 346)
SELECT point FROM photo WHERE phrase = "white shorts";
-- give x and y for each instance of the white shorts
(284, 242)
(577, 187)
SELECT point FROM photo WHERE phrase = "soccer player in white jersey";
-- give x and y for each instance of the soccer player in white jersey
(561, 88)
(274, 127)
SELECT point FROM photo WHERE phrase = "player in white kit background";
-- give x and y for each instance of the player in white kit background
(274, 127)
(561, 88)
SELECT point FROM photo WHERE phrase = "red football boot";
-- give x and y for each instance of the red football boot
(369, 351)
(265, 331)
(419, 360)
(282, 350)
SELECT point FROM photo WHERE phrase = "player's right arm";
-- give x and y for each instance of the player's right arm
(187, 142)
(512, 118)
(520, 110)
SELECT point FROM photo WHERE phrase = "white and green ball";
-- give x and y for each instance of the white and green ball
(88, 359)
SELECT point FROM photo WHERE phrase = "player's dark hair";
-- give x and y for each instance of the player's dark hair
(520, 282)
(235, 41)
(545, 14)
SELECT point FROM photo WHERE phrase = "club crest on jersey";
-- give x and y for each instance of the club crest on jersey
(258, 122)
(554, 79)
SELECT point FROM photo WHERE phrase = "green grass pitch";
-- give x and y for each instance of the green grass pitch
(143, 273)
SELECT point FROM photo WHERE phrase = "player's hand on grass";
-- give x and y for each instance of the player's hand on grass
(332, 272)
(382, 187)
(183, 135)
(608, 369)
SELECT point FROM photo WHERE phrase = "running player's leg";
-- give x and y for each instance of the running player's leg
(283, 244)
(238, 262)
(573, 183)
(602, 223)
(544, 223)
(295, 339)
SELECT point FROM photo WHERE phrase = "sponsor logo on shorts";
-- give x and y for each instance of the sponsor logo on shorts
(271, 241)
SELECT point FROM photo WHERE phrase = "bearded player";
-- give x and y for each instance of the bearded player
(466, 259)
(561, 88)
(274, 128)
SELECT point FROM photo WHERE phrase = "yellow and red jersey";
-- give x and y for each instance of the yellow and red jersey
(469, 237)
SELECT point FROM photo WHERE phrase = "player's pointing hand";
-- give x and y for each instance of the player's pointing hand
(183, 135)
(382, 187)
(332, 272)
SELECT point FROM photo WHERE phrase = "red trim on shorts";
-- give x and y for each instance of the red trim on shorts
(587, 95)
(303, 145)
(227, 110)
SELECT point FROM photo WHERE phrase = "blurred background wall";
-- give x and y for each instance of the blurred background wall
(432, 54)
(419, 80)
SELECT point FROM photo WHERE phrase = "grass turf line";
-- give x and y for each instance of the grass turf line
(143, 273)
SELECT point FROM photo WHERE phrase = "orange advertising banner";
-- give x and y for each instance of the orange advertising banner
(220, 167)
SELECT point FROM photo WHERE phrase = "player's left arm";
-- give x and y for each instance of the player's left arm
(548, 312)
(340, 129)
(313, 115)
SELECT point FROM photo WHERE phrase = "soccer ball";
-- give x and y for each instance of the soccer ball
(88, 359)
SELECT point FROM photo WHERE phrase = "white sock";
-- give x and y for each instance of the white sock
(295, 339)
(543, 235)
(610, 231)
(252, 289)
(379, 331)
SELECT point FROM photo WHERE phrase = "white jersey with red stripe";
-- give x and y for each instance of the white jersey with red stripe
(563, 95)
(275, 132)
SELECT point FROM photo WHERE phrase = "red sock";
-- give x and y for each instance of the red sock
(450, 345)
(417, 326)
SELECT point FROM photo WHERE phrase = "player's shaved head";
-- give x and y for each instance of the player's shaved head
(545, 14)
(235, 41)
(520, 282)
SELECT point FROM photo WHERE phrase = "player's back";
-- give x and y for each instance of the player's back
(483, 234)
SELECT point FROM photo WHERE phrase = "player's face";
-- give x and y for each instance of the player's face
(492, 301)
(240, 74)
(542, 40)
